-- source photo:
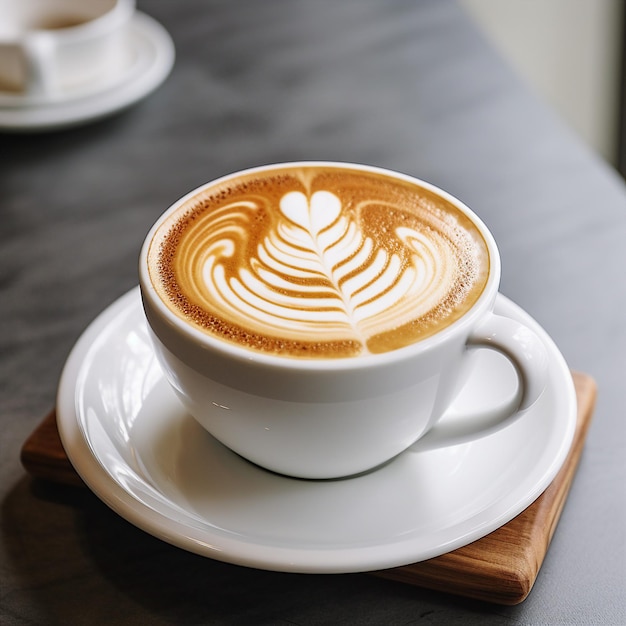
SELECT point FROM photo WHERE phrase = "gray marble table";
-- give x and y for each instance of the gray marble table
(410, 86)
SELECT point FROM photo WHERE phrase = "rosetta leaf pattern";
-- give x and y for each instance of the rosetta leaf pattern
(319, 274)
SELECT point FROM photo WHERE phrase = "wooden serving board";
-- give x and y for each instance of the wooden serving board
(499, 568)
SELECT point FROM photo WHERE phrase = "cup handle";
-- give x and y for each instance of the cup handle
(38, 55)
(529, 357)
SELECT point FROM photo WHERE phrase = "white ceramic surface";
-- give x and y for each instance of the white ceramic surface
(149, 60)
(138, 450)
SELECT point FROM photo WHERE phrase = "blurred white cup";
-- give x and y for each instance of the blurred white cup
(51, 46)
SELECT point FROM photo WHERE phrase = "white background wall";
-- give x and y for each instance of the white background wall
(570, 52)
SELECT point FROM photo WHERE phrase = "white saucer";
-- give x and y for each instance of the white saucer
(137, 449)
(149, 61)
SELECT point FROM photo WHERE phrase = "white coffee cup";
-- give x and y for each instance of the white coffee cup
(51, 46)
(335, 417)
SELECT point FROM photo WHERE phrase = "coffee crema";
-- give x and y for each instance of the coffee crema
(318, 261)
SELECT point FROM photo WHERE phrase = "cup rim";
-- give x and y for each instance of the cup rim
(237, 353)
(117, 14)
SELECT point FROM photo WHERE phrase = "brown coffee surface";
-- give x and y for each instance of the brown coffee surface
(59, 22)
(318, 262)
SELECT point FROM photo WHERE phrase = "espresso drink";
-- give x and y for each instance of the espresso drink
(318, 262)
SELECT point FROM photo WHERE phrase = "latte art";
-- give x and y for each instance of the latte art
(318, 262)
(316, 273)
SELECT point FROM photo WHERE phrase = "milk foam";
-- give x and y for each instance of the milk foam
(311, 267)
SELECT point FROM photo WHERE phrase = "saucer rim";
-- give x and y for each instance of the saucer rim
(287, 559)
(133, 84)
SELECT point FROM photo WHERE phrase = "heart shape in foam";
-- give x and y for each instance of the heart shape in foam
(323, 210)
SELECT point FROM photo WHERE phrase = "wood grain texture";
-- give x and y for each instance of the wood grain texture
(43, 455)
(500, 568)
